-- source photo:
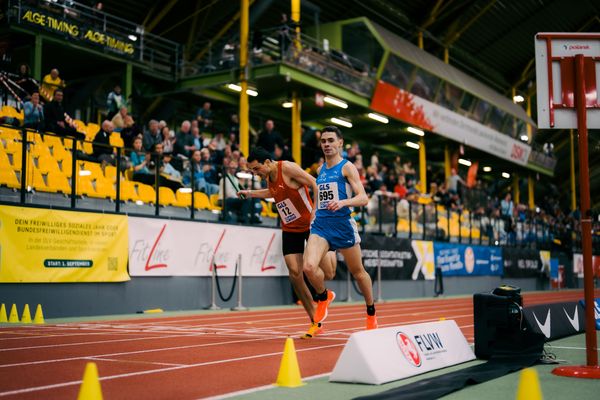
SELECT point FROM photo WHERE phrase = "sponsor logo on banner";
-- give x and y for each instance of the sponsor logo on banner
(457, 259)
(469, 260)
(578, 265)
(555, 320)
(408, 348)
(187, 248)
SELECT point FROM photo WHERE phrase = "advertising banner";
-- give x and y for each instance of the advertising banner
(578, 265)
(186, 248)
(395, 102)
(521, 263)
(388, 354)
(399, 258)
(465, 260)
(42, 245)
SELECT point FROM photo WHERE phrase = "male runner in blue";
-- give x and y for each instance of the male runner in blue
(333, 228)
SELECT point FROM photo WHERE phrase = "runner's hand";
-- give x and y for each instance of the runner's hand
(243, 194)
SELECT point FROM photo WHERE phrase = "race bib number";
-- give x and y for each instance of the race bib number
(327, 192)
(287, 211)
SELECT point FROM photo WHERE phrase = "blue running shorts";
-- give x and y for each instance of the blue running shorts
(340, 233)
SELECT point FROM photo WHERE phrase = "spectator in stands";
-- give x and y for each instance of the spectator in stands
(26, 82)
(453, 182)
(130, 131)
(400, 188)
(205, 117)
(57, 120)
(114, 101)
(209, 166)
(234, 125)
(397, 165)
(269, 137)
(34, 113)
(507, 213)
(220, 141)
(139, 162)
(409, 171)
(170, 141)
(386, 212)
(171, 176)
(232, 141)
(198, 137)
(50, 84)
(201, 170)
(103, 151)
(549, 149)
(374, 181)
(184, 146)
(284, 37)
(153, 136)
(229, 185)
(310, 147)
(118, 120)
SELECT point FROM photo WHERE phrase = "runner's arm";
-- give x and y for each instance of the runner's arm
(259, 193)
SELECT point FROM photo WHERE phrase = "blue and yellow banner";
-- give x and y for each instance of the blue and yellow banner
(42, 245)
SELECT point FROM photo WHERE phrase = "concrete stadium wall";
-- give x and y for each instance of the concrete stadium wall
(193, 293)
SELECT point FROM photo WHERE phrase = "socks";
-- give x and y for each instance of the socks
(322, 296)
(371, 309)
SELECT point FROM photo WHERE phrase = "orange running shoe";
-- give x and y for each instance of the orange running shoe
(371, 322)
(321, 311)
(315, 329)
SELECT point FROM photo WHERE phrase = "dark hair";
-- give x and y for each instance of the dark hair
(259, 154)
(333, 129)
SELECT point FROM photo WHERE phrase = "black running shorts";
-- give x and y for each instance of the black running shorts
(293, 242)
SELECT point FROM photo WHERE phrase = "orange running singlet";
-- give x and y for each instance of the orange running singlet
(293, 205)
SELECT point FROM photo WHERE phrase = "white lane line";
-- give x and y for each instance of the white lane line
(133, 361)
(153, 371)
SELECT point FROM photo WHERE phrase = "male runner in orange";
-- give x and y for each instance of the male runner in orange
(288, 185)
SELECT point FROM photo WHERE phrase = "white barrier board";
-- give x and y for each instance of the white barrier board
(388, 354)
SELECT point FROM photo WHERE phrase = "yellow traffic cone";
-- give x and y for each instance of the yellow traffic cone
(289, 371)
(529, 385)
(39, 315)
(90, 387)
(26, 317)
(13, 318)
(3, 317)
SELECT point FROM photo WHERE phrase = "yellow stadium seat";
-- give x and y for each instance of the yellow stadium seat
(146, 193)
(4, 161)
(52, 141)
(116, 140)
(201, 201)
(9, 133)
(267, 211)
(58, 182)
(183, 198)
(166, 196)
(110, 173)
(105, 189)
(59, 152)
(85, 187)
(94, 168)
(81, 126)
(39, 149)
(47, 163)
(35, 180)
(12, 147)
(127, 189)
(66, 165)
(8, 177)
(214, 198)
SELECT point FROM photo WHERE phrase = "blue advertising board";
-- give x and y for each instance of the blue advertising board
(465, 260)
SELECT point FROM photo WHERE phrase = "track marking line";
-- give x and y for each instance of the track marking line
(134, 361)
(153, 371)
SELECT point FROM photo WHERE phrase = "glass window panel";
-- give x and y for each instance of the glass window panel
(450, 96)
(398, 72)
(481, 110)
(425, 85)
(496, 119)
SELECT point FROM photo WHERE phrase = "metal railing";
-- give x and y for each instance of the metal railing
(78, 23)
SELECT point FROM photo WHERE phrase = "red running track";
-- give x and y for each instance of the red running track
(191, 357)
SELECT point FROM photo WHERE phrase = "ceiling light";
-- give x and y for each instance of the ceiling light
(341, 122)
(287, 104)
(518, 99)
(133, 38)
(464, 162)
(505, 175)
(252, 92)
(377, 117)
(335, 102)
(524, 138)
(416, 131)
(234, 87)
(487, 169)
(413, 145)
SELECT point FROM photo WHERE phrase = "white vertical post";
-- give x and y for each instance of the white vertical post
(379, 298)
(240, 306)
(213, 289)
